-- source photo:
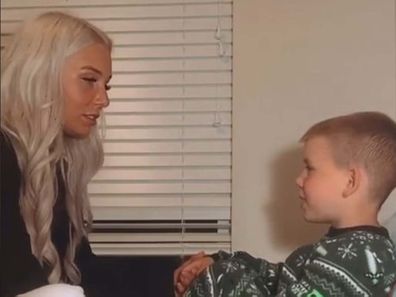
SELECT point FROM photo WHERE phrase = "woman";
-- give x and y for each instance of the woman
(54, 83)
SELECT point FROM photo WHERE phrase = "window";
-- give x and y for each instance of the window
(165, 187)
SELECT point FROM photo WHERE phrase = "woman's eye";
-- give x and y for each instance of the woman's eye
(89, 79)
(107, 87)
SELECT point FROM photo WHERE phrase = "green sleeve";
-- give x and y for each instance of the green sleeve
(237, 274)
(355, 264)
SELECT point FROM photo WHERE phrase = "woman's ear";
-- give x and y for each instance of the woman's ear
(354, 178)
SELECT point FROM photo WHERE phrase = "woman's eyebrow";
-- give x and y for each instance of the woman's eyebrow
(93, 69)
(88, 67)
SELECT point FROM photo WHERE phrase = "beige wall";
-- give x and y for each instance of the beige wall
(295, 63)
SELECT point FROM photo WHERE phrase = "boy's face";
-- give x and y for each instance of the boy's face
(321, 183)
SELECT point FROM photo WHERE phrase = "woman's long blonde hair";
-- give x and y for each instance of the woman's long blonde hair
(31, 115)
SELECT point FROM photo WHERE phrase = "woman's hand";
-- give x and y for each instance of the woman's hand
(189, 271)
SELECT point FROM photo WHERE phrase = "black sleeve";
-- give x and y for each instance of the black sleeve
(19, 269)
(95, 280)
(126, 276)
(101, 276)
(105, 276)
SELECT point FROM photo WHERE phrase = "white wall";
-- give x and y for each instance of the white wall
(295, 63)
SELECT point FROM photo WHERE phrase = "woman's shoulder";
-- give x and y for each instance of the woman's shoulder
(5, 144)
(9, 168)
(7, 152)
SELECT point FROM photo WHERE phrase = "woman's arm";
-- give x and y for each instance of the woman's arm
(19, 269)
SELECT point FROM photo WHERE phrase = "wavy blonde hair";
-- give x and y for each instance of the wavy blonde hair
(32, 113)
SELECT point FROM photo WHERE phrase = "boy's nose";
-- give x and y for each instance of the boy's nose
(299, 181)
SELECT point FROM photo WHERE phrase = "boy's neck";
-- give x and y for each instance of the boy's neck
(349, 222)
(370, 228)
(358, 212)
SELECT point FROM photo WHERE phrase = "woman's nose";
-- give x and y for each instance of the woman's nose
(102, 98)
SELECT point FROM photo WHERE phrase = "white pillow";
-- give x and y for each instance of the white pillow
(58, 290)
(390, 224)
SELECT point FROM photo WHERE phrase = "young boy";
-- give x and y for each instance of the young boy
(350, 170)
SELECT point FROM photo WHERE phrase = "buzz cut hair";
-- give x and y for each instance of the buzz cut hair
(364, 138)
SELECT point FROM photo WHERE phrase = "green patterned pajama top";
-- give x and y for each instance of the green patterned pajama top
(350, 262)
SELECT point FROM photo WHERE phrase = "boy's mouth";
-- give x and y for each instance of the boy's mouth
(302, 198)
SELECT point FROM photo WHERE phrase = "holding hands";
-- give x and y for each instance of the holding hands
(189, 271)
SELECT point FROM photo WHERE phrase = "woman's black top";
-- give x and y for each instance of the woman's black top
(20, 270)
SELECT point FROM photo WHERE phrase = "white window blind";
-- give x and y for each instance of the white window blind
(165, 187)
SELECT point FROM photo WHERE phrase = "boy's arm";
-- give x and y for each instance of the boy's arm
(266, 273)
(361, 267)
(228, 270)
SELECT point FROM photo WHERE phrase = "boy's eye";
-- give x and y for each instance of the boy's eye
(107, 87)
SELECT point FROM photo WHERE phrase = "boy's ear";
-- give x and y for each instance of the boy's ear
(353, 183)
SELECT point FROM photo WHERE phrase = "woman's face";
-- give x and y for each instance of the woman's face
(85, 78)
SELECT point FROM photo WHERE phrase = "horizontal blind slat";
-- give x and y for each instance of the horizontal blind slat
(187, 64)
(170, 51)
(158, 249)
(187, 146)
(214, 94)
(175, 133)
(168, 38)
(78, 3)
(160, 119)
(155, 237)
(159, 187)
(155, 174)
(161, 213)
(146, 25)
(167, 160)
(174, 105)
(125, 11)
(172, 78)
(161, 200)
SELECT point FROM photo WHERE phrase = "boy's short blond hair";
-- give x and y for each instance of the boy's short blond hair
(367, 139)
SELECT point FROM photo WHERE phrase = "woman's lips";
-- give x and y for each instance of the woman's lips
(91, 118)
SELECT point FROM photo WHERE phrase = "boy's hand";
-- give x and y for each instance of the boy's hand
(188, 271)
